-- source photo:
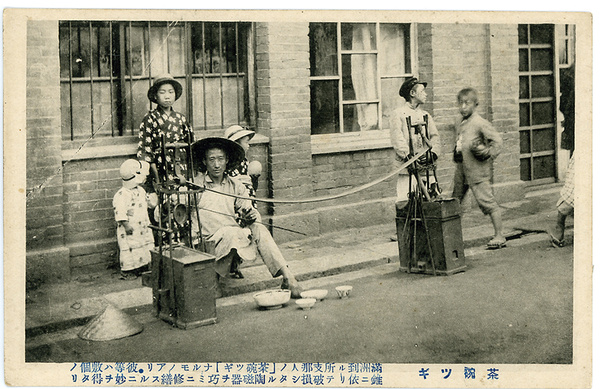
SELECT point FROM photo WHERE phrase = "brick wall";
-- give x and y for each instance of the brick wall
(484, 57)
(44, 181)
(89, 186)
(504, 97)
(284, 114)
(47, 258)
(283, 100)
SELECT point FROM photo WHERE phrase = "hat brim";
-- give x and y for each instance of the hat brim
(240, 134)
(407, 87)
(235, 153)
(158, 83)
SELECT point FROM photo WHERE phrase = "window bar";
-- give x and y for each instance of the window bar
(379, 91)
(80, 62)
(91, 80)
(237, 71)
(251, 77)
(189, 69)
(204, 76)
(110, 59)
(221, 74)
(122, 102)
(71, 80)
(340, 95)
(149, 61)
(129, 50)
(168, 53)
(414, 65)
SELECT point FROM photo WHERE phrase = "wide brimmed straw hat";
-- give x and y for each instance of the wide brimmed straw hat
(164, 79)
(235, 153)
(238, 132)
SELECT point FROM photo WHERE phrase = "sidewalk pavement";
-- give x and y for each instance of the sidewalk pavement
(55, 307)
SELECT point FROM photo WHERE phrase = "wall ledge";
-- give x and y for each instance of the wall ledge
(356, 141)
(122, 147)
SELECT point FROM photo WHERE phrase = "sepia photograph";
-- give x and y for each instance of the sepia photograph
(297, 198)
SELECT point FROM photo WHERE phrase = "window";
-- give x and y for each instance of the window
(537, 104)
(107, 67)
(356, 71)
(565, 35)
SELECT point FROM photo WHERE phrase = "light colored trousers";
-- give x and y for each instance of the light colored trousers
(231, 237)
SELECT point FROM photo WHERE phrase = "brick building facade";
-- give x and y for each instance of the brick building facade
(71, 181)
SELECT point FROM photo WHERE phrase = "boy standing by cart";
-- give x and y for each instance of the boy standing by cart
(477, 145)
(414, 95)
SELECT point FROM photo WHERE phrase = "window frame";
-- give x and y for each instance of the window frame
(121, 122)
(568, 38)
(365, 139)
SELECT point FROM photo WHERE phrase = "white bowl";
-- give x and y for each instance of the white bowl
(317, 294)
(343, 291)
(272, 299)
(306, 303)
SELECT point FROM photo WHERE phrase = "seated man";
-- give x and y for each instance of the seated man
(218, 218)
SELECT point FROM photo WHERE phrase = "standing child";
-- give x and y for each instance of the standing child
(133, 225)
(414, 95)
(477, 145)
(164, 120)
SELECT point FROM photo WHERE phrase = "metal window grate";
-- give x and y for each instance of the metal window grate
(107, 66)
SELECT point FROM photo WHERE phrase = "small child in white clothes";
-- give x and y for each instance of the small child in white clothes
(131, 205)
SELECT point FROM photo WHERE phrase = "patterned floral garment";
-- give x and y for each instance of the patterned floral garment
(176, 129)
(174, 126)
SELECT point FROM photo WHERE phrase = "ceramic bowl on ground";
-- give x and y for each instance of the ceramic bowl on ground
(305, 303)
(317, 294)
(272, 299)
(343, 291)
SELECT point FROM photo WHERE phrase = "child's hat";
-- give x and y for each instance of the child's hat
(238, 132)
(407, 87)
(134, 170)
(164, 79)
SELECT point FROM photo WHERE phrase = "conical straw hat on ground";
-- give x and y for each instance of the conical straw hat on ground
(111, 323)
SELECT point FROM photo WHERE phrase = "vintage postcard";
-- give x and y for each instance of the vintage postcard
(301, 198)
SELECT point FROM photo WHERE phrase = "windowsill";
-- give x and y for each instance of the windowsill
(99, 148)
(121, 146)
(358, 141)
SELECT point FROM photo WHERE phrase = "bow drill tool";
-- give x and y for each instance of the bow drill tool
(183, 279)
(428, 227)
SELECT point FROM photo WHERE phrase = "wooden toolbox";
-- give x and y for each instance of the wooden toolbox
(445, 236)
(184, 284)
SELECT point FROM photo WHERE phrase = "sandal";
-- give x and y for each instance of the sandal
(127, 276)
(495, 244)
(558, 243)
(236, 274)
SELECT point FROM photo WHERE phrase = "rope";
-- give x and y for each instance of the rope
(325, 198)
